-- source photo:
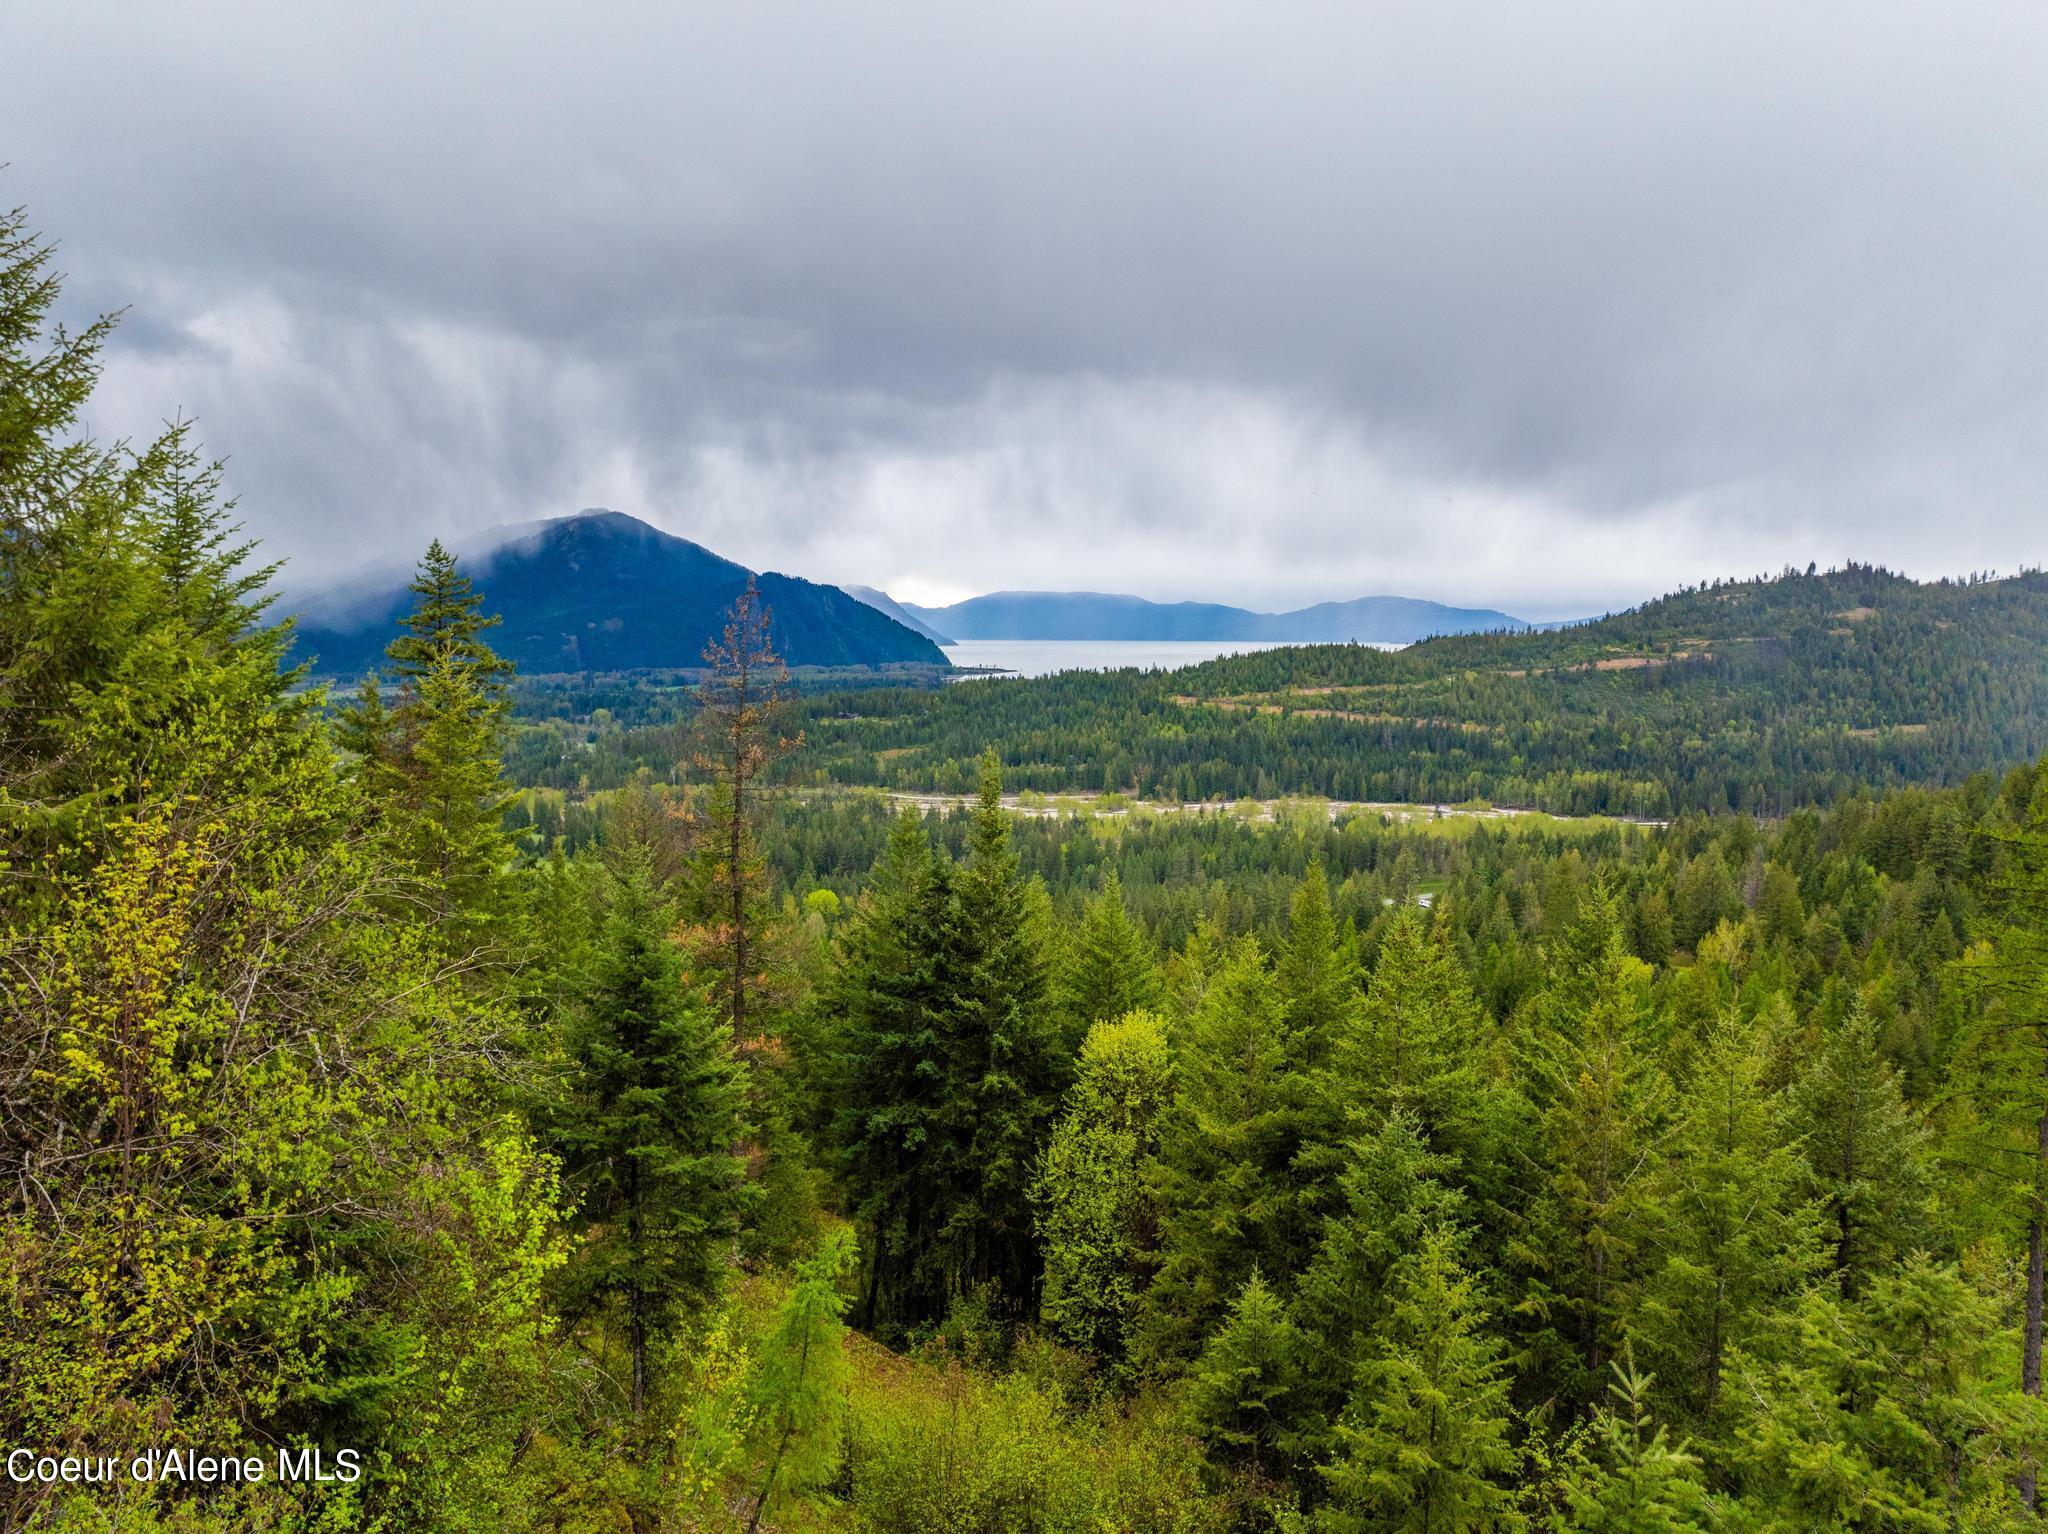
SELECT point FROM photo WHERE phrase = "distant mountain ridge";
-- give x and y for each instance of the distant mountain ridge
(1099, 615)
(882, 602)
(602, 591)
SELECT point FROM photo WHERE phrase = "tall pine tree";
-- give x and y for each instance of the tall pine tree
(1005, 1068)
(654, 1109)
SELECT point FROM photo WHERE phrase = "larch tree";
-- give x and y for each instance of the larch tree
(1095, 1216)
(739, 742)
(800, 1393)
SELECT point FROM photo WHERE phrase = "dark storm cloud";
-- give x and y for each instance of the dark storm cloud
(1548, 307)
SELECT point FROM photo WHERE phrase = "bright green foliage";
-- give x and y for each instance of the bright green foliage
(1864, 1151)
(256, 1192)
(1889, 1413)
(1632, 1479)
(2003, 1135)
(1425, 1445)
(1240, 1392)
(800, 1394)
(263, 1004)
(970, 1454)
(1317, 976)
(1224, 1177)
(654, 1108)
(1704, 898)
(1395, 1191)
(1733, 1234)
(1094, 1209)
(1108, 969)
(1423, 1042)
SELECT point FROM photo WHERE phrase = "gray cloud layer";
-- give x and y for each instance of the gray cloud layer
(1545, 307)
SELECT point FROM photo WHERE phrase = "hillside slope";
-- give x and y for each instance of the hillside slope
(601, 591)
(1758, 695)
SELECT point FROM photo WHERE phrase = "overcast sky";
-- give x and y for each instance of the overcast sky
(1546, 307)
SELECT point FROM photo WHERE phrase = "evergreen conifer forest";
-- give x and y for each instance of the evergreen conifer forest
(598, 1104)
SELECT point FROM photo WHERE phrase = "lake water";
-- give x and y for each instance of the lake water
(1042, 657)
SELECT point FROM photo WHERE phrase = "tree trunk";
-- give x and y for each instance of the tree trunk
(874, 1281)
(639, 1356)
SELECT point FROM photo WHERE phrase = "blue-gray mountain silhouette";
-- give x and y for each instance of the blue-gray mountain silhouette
(602, 591)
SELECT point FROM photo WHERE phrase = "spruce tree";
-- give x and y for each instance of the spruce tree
(1395, 1190)
(1225, 1180)
(1317, 975)
(1108, 969)
(1422, 1043)
(1885, 1412)
(2004, 1067)
(431, 757)
(1240, 1392)
(1602, 1112)
(1425, 1444)
(1865, 1151)
(891, 1004)
(445, 628)
(654, 1109)
(1004, 1068)
(1735, 1236)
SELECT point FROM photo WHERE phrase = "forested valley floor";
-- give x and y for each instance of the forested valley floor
(614, 1113)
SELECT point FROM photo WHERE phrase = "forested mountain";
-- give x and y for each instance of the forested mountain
(1093, 615)
(1757, 695)
(602, 591)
